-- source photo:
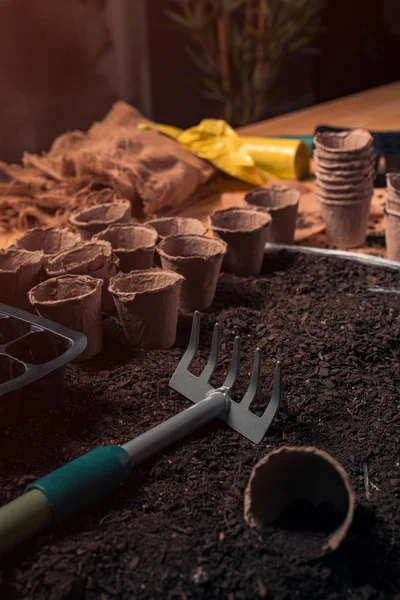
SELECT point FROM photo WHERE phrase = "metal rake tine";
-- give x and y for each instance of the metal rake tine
(254, 381)
(276, 396)
(193, 342)
(235, 365)
(214, 353)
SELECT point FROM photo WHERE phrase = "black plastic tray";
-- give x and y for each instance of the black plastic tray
(33, 354)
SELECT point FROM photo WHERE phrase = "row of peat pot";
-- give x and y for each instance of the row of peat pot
(148, 272)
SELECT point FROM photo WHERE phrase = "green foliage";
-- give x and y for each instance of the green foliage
(239, 45)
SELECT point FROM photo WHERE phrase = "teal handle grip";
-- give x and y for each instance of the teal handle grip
(84, 480)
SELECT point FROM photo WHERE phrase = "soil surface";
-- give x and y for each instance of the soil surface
(176, 529)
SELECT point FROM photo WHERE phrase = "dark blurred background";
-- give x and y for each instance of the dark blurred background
(357, 49)
(63, 63)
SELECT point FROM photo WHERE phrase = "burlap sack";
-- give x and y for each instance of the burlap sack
(152, 171)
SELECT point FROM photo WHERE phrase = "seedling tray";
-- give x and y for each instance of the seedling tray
(33, 355)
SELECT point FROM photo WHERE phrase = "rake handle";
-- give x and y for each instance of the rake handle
(96, 474)
(170, 431)
(62, 493)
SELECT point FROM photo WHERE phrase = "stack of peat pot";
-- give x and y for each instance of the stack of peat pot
(345, 173)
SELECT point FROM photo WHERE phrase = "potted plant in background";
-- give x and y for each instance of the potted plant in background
(239, 47)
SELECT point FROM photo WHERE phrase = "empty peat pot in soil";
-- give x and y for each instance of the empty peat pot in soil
(282, 204)
(147, 303)
(245, 231)
(291, 482)
(49, 240)
(98, 217)
(199, 260)
(75, 302)
(19, 272)
(134, 244)
(94, 258)
(392, 233)
(346, 220)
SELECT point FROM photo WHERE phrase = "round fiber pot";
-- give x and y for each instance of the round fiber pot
(392, 233)
(96, 218)
(393, 181)
(133, 244)
(345, 191)
(245, 231)
(346, 168)
(166, 226)
(345, 177)
(345, 160)
(48, 240)
(392, 200)
(198, 259)
(94, 258)
(282, 204)
(75, 302)
(393, 191)
(353, 143)
(19, 272)
(147, 303)
(291, 477)
(346, 221)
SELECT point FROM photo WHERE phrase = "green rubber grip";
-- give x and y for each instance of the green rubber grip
(84, 480)
(23, 518)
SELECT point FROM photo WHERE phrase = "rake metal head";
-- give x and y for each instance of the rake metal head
(194, 388)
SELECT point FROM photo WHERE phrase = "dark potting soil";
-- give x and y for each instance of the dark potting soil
(176, 529)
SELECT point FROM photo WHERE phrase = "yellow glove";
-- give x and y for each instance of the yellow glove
(249, 159)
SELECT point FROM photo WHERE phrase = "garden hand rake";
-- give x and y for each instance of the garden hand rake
(94, 475)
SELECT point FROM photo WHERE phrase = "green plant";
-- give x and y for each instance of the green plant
(239, 45)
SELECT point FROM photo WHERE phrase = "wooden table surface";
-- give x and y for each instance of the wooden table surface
(376, 109)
